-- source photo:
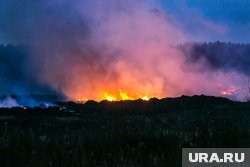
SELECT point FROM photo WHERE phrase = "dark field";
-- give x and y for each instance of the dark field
(128, 133)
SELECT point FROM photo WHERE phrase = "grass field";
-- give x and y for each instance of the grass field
(111, 134)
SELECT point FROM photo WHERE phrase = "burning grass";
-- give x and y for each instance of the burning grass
(117, 97)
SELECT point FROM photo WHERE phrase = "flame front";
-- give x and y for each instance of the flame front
(113, 97)
(124, 96)
(146, 98)
(110, 97)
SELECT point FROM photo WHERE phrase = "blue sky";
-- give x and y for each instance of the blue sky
(210, 20)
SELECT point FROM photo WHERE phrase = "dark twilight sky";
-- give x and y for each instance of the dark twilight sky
(224, 20)
(200, 20)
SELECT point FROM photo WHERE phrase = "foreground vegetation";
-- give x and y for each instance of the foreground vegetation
(128, 133)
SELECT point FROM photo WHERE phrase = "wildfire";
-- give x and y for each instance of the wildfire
(110, 97)
(121, 95)
(124, 96)
(228, 92)
(81, 99)
(146, 98)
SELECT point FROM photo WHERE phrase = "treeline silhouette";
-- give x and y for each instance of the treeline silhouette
(220, 55)
(14, 59)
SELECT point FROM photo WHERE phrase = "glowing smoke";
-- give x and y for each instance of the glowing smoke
(90, 48)
(10, 101)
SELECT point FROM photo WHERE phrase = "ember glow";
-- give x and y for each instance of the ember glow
(229, 91)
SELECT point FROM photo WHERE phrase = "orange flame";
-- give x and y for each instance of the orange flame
(110, 97)
(117, 96)
(124, 96)
(146, 98)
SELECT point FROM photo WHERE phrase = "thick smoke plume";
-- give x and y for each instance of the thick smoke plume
(94, 48)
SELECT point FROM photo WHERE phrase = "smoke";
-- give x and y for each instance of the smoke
(10, 101)
(15, 72)
(91, 48)
(218, 55)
